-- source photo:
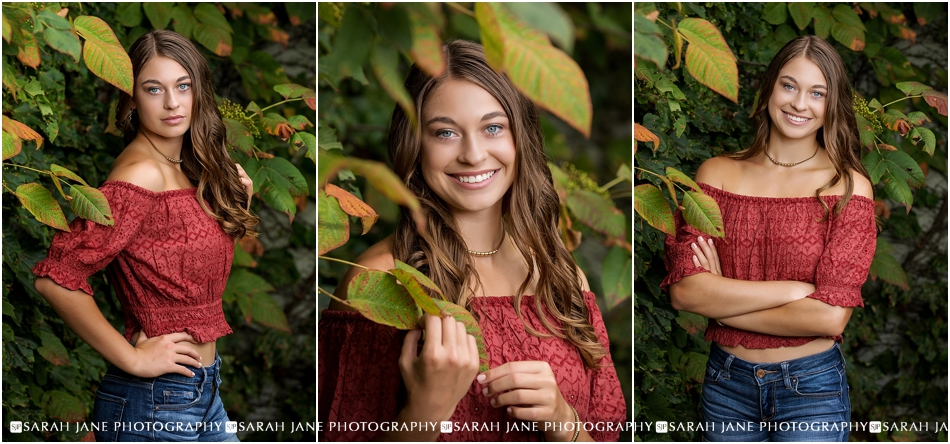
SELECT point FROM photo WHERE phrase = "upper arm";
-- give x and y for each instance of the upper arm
(580, 274)
(142, 173)
(862, 186)
(711, 172)
(377, 257)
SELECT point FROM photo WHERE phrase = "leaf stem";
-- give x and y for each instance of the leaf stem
(664, 24)
(898, 100)
(27, 168)
(342, 261)
(280, 103)
(616, 180)
(461, 9)
(342, 301)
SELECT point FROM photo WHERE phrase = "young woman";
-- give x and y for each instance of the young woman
(476, 161)
(799, 237)
(178, 203)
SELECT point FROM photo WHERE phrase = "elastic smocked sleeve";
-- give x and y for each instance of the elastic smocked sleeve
(679, 255)
(88, 247)
(607, 405)
(843, 266)
(357, 374)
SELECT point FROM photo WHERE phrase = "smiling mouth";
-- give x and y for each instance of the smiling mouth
(795, 118)
(475, 179)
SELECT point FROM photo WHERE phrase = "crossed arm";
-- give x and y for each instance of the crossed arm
(779, 308)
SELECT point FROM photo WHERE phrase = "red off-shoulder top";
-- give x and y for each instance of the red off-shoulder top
(778, 239)
(167, 259)
(359, 379)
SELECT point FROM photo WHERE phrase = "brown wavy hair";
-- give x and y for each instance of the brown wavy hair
(839, 135)
(205, 160)
(529, 208)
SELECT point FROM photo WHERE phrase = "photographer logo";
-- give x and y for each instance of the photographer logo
(231, 427)
(447, 426)
(16, 426)
(661, 427)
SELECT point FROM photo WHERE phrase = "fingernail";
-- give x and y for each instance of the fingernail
(693, 245)
(493, 402)
(509, 410)
(481, 378)
(710, 241)
(700, 238)
(695, 258)
(485, 391)
(192, 374)
(199, 365)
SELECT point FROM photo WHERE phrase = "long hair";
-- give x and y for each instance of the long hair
(205, 160)
(838, 135)
(529, 207)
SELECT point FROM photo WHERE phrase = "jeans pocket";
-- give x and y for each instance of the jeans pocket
(713, 374)
(823, 384)
(176, 396)
(106, 413)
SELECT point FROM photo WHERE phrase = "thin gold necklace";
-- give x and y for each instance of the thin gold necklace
(788, 164)
(159, 152)
(489, 253)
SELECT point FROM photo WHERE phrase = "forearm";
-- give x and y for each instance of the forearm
(82, 315)
(804, 317)
(411, 416)
(716, 297)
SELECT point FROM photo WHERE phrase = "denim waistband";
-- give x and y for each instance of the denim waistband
(769, 372)
(207, 374)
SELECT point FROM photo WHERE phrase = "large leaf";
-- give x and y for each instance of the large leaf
(52, 349)
(421, 278)
(691, 322)
(911, 88)
(63, 172)
(129, 14)
(22, 131)
(385, 63)
(64, 407)
(351, 46)
(378, 296)
(216, 39)
(332, 223)
(616, 277)
(549, 18)
(29, 50)
(353, 206)
(246, 284)
(40, 203)
(597, 212)
(680, 178)
(380, 177)
(238, 136)
(865, 132)
(11, 145)
(937, 100)
(89, 203)
(694, 366)
(471, 327)
(898, 189)
(158, 13)
(426, 49)
(642, 134)
(63, 41)
(291, 90)
(207, 13)
(801, 13)
(545, 74)
(709, 59)
(103, 53)
(823, 21)
(885, 266)
(849, 36)
(702, 213)
(266, 312)
(183, 21)
(651, 205)
(774, 12)
(647, 42)
(418, 294)
(930, 140)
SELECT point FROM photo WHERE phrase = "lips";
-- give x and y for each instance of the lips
(173, 120)
(795, 120)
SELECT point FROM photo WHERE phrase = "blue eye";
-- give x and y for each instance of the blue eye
(818, 94)
(494, 129)
(788, 86)
(153, 90)
(184, 87)
(444, 134)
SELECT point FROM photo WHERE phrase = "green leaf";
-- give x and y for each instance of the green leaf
(40, 203)
(911, 88)
(624, 173)
(898, 189)
(865, 132)
(709, 59)
(63, 172)
(801, 13)
(651, 205)
(421, 278)
(378, 296)
(930, 140)
(426, 49)
(103, 53)
(242, 282)
(910, 169)
(597, 212)
(543, 73)
(849, 36)
(158, 14)
(694, 366)
(333, 224)
(646, 45)
(351, 47)
(238, 136)
(280, 168)
(394, 27)
(52, 349)
(823, 21)
(885, 266)
(64, 407)
(89, 203)
(10, 146)
(917, 117)
(845, 15)
(129, 14)
(50, 18)
(875, 165)
(183, 21)
(471, 327)
(326, 137)
(680, 178)
(409, 282)
(702, 213)
(385, 63)
(208, 14)
(691, 322)
(266, 312)
(548, 18)
(217, 40)
(774, 12)
(291, 90)
(299, 12)
(616, 277)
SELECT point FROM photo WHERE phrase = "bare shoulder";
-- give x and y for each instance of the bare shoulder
(584, 285)
(862, 186)
(377, 257)
(138, 170)
(714, 170)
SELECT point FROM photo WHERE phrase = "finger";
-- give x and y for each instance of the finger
(184, 371)
(513, 381)
(527, 413)
(704, 247)
(715, 257)
(449, 332)
(178, 337)
(700, 256)
(519, 397)
(461, 338)
(410, 346)
(189, 352)
(473, 351)
(433, 331)
(696, 261)
(188, 360)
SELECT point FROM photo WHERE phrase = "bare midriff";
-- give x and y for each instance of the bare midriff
(205, 350)
(762, 355)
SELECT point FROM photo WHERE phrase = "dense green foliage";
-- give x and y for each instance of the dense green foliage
(896, 346)
(259, 56)
(361, 81)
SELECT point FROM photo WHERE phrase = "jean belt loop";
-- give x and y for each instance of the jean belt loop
(725, 367)
(785, 375)
(844, 362)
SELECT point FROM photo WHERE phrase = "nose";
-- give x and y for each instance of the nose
(171, 102)
(472, 152)
(799, 103)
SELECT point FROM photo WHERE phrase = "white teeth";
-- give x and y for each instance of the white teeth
(475, 179)
(796, 119)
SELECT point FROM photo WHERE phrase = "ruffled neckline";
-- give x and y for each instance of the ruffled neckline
(147, 192)
(804, 199)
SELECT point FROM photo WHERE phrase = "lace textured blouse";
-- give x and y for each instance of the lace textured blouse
(781, 239)
(167, 259)
(359, 379)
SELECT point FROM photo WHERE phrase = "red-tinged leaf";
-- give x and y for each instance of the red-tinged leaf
(310, 98)
(426, 49)
(52, 349)
(893, 17)
(278, 35)
(651, 205)
(912, 88)
(642, 134)
(471, 327)
(885, 266)
(291, 90)
(353, 206)
(7, 29)
(63, 172)
(886, 147)
(850, 36)
(103, 53)
(29, 51)
(937, 100)
(40, 203)
(702, 212)
(418, 294)
(265, 311)
(65, 407)
(332, 224)
(680, 178)
(865, 132)
(907, 33)
(678, 46)
(881, 210)
(238, 136)
(917, 117)
(11, 145)
(691, 322)
(299, 122)
(597, 212)
(543, 73)
(616, 277)
(385, 62)
(378, 296)
(421, 278)
(380, 177)
(22, 131)
(217, 40)
(89, 203)
(709, 59)
(571, 237)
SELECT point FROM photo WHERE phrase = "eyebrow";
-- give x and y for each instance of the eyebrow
(159, 83)
(796, 82)
(448, 120)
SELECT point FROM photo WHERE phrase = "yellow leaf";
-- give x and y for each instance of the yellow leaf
(644, 135)
(353, 206)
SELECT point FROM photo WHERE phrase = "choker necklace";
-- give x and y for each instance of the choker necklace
(787, 164)
(159, 152)
(489, 253)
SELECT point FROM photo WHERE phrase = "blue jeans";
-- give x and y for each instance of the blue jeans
(171, 407)
(805, 399)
